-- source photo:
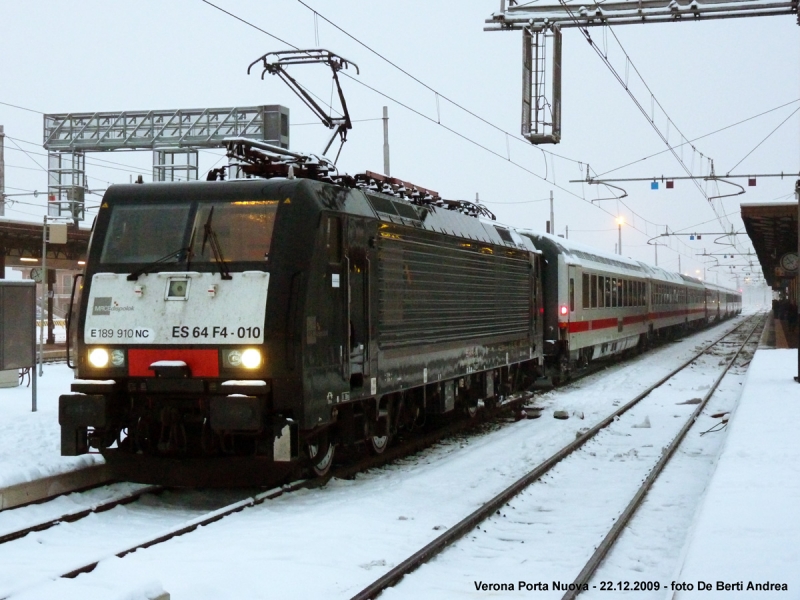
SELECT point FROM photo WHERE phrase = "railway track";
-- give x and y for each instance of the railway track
(74, 515)
(499, 503)
(240, 504)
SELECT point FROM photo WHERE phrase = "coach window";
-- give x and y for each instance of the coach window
(601, 294)
(626, 292)
(571, 295)
(585, 291)
(614, 296)
(594, 291)
(607, 291)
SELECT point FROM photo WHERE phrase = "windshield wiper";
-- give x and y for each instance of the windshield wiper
(210, 234)
(190, 249)
(177, 254)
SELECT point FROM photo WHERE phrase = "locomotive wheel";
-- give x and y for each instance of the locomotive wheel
(320, 454)
(378, 444)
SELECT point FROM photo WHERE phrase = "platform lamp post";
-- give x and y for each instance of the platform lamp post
(620, 221)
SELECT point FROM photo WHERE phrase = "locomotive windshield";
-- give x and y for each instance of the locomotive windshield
(146, 233)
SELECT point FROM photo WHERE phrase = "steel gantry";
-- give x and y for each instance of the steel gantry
(541, 25)
(174, 136)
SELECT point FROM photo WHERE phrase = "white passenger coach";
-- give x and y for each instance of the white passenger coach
(598, 304)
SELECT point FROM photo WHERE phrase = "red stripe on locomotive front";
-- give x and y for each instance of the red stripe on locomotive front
(202, 363)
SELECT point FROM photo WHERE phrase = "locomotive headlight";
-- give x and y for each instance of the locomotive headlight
(251, 358)
(563, 310)
(98, 357)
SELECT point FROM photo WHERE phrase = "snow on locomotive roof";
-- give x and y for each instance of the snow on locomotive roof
(442, 220)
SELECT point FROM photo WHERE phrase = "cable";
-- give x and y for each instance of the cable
(351, 120)
(264, 31)
(765, 139)
(8, 166)
(518, 202)
(111, 162)
(94, 164)
(460, 135)
(604, 57)
(699, 137)
(18, 147)
(38, 112)
(426, 86)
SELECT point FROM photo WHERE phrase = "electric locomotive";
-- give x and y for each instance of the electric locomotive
(227, 331)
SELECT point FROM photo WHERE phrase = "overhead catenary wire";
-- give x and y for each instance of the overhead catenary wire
(705, 135)
(498, 153)
(651, 119)
(765, 139)
(457, 133)
(471, 140)
(437, 93)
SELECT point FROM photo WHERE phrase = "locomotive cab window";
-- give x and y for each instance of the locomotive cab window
(243, 230)
(145, 233)
(141, 234)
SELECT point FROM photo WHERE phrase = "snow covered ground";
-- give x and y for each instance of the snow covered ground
(748, 527)
(331, 542)
(30, 445)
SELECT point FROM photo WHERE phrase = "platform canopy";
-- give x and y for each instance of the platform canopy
(772, 227)
(23, 240)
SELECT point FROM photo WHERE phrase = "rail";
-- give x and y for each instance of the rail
(488, 509)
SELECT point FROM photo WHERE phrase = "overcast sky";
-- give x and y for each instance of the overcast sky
(111, 55)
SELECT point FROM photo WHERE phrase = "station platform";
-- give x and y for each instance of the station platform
(779, 333)
(746, 532)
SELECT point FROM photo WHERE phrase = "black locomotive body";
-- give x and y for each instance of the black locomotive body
(228, 330)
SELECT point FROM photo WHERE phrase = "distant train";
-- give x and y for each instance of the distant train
(228, 330)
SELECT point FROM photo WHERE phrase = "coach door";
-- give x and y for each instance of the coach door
(357, 264)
